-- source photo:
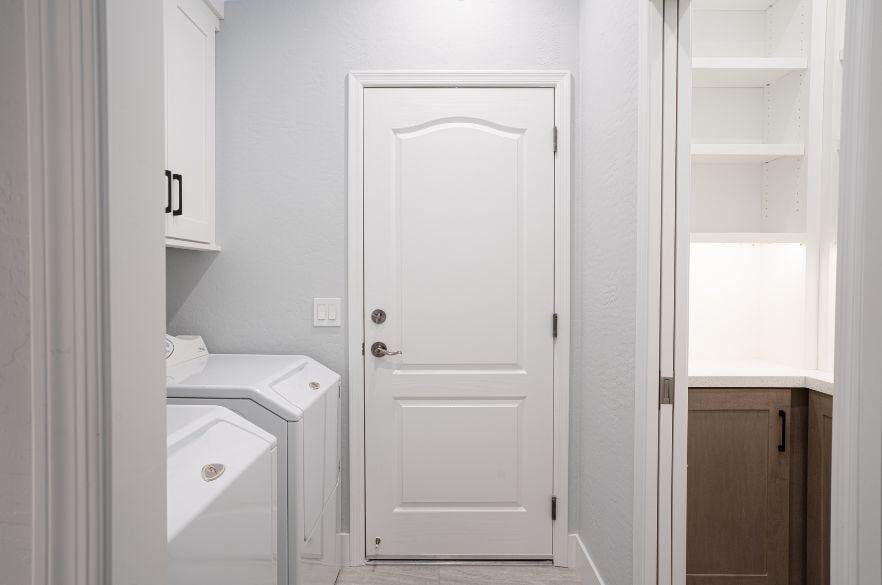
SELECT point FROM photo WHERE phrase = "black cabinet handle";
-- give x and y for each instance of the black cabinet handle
(180, 179)
(782, 446)
(168, 184)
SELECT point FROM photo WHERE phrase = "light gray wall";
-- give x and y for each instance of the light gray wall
(16, 455)
(281, 117)
(602, 414)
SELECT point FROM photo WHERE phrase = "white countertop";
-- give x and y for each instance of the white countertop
(756, 374)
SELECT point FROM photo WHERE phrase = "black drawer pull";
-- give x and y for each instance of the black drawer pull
(782, 446)
(180, 179)
(168, 184)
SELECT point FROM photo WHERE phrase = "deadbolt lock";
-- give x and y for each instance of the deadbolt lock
(378, 316)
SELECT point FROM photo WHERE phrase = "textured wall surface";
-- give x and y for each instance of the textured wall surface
(602, 413)
(15, 358)
(281, 144)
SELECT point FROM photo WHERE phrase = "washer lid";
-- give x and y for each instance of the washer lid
(209, 448)
(287, 385)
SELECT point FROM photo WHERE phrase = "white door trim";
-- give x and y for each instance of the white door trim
(856, 550)
(357, 82)
(68, 384)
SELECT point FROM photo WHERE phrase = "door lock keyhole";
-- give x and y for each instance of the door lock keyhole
(378, 316)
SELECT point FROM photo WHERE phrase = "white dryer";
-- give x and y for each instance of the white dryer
(296, 399)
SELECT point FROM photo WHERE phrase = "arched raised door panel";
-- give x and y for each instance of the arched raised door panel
(459, 192)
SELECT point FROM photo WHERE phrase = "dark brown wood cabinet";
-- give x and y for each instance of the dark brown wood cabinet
(746, 486)
(820, 447)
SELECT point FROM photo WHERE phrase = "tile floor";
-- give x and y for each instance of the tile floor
(457, 575)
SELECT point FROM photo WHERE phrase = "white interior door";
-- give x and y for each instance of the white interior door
(189, 112)
(459, 254)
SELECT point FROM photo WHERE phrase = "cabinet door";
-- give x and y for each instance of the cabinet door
(738, 487)
(189, 116)
(820, 448)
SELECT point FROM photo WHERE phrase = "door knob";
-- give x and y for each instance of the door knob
(379, 349)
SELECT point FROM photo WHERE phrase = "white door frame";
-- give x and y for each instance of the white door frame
(674, 257)
(856, 510)
(68, 385)
(357, 83)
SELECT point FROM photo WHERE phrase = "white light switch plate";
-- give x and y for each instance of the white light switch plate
(326, 313)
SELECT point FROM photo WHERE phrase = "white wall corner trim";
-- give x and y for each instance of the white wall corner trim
(561, 81)
(582, 564)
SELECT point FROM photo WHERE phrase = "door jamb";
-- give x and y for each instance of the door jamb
(649, 222)
(357, 82)
(680, 150)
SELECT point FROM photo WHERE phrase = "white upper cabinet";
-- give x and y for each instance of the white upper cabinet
(189, 198)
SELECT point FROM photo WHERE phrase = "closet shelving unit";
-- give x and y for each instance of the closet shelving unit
(757, 100)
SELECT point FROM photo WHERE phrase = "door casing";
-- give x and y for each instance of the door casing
(560, 81)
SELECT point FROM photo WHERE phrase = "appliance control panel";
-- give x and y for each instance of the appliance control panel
(183, 348)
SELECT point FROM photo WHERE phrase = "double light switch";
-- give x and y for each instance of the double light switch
(326, 313)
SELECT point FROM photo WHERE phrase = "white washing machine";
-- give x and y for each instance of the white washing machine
(297, 400)
(222, 515)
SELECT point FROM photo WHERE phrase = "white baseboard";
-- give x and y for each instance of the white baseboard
(581, 562)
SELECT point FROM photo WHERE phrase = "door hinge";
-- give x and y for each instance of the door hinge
(554, 325)
(362, 348)
(555, 139)
(666, 391)
(554, 507)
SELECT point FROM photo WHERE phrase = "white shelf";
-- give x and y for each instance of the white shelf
(188, 245)
(732, 4)
(743, 72)
(747, 238)
(744, 153)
